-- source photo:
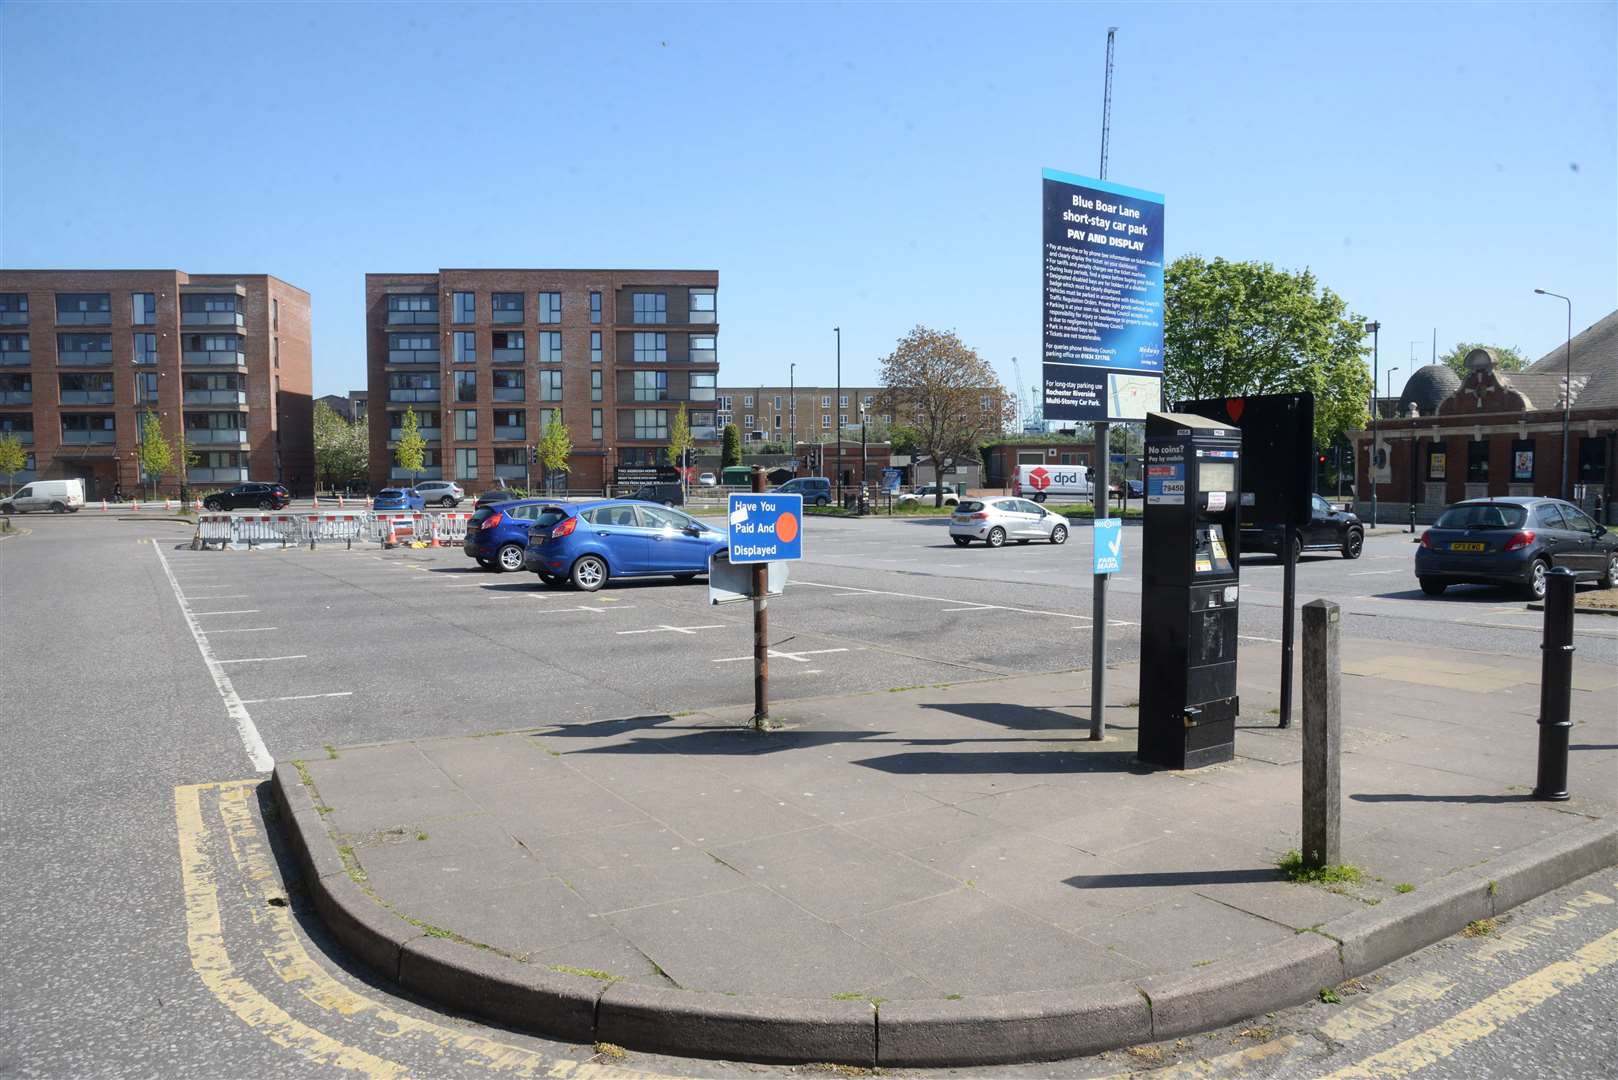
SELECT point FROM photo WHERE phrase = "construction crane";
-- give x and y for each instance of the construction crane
(1022, 399)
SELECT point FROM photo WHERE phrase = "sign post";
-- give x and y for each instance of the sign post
(764, 528)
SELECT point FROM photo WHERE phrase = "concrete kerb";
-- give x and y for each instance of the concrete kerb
(988, 1030)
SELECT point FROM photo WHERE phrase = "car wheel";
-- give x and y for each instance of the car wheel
(212, 505)
(960, 541)
(58, 508)
(446, 502)
(264, 504)
(996, 537)
(589, 573)
(1059, 535)
(822, 501)
(1039, 496)
(1352, 543)
(6, 510)
(1297, 549)
(1535, 585)
(1610, 578)
(1432, 586)
(509, 558)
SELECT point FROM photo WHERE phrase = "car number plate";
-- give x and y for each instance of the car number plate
(1466, 547)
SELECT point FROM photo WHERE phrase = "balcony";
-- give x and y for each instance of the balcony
(13, 318)
(427, 395)
(506, 318)
(511, 472)
(508, 356)
(431, 472)
(216, 476)
(85, 358)
(233, 357)
(508, 432)
(431, 434)
(413, 318)
(83, 318)
(87, 397)
(16, 397)
(94, 437)
(216, 397)
(212, 318)
(16, 358)
(216, 436)
(24, 437)
(508, 393)
(704, 432)
(413, 356)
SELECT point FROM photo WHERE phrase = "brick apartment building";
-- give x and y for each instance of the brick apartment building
(84, 354)
(768, 413)
(485, 357)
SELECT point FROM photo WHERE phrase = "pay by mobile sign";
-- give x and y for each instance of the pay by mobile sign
(765, 527)
(1103, 255)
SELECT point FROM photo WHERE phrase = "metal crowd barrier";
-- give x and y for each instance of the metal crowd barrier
(450, 528)
(387, 529)
(332, 528)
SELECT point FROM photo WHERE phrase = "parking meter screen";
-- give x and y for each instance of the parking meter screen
(1216, 476)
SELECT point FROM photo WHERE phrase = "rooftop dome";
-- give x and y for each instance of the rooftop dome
(1427, 389)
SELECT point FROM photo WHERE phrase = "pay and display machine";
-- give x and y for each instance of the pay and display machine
(1188, 700)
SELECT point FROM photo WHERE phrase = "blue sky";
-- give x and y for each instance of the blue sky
(868, 166)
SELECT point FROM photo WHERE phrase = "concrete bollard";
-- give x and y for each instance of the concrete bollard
(1322, 734)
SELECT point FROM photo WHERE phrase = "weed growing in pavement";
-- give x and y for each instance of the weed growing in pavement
(1258, 1034)
(848, 995)
(1329, 996)
(587, 973)
(351, 863)
(952, 997)
(1404, 887)
(421, 836)
(840, 1070)
(1494, 888)
(1293, 868)
(1145, 1053)
(1479, 928)
(331, 751)
(612, 1050)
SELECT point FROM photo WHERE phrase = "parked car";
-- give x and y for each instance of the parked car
(445, 493)
(1514, 541)
(1039, 482)
(994, 521)
(498, 532)
(816, 490)
(707, 479)
(1328, 529)
(396, 499)
(57, 496)
(493, 496)
(249, 496)
(669, 493)
(928, 493)
(590, 543)
(1136, 489)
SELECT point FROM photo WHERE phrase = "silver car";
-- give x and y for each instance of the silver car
(996, 520)
(440, 492)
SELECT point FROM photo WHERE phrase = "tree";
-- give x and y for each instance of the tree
(410, 453)
(155, 456)
(902, 438)
(730, 452)
(555, 444)
(1237, 328)
(186, 455)
(13, 458)
(342, 449)
(948, 394)
(1506, 358)
(680, 442)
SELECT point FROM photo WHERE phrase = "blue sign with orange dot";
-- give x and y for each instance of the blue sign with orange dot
(765, 527)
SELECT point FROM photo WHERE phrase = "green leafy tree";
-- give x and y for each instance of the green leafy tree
(156, 457)
(680, 442)
(903, 438)
(13, 458)
(555, 444)
(342, 449)
(1506, 358)
(1237, 328)
(410, 452)
(186, 456)
(730, 451)
(948, 393)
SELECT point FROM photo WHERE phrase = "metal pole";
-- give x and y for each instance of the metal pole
(792, 408)
(1289, 605)
(1567, 386)
(837, 404)
(1098, 596)
(1376, 427)
(1555, 686)
(761, 630)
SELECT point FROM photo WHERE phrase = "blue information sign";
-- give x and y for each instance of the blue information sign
(765, 527)
(1109, 545)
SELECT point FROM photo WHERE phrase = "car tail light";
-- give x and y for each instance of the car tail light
(493, 519)
(564, 527)
(1427, 538)
(1520, 541)
(981, 515)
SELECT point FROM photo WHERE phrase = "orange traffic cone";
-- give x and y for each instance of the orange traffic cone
(392, 540)
(317, 500)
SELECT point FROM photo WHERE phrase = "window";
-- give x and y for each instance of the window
(466, 424)
(143, 308)
(1477, 462)
(84, 309)
(547, 415)
(777, 402)
(595, 346)
(508, 345)
(511, 424)
(983, 403)
(704, 350)
(550, 386)
(1577, 519)
(777, 421)
(16, 389)
(651, 348)
(704, 385)
(466, 386)
(414, 309)
(508, 386)
(506, 306)
(213, 348)
(466, 307)
(595, 421)
(275, 349)
(145, 348)
(724, 402)
(651, 385)
(550, 346)
(595, 386)
(466, 463)
(466, 347)
(747, 422)
(412, 386)
(413, 348)
(145, 387)
(825, 402)
(13, 307)
(550, 307)
(651, 424)
(1522, 461)
(842, 420)
(825, 421)
(842, 402)
(651, 307)
(868, 400)
(1592, 460)
(595, 307)
(275, 314)
(84, 348)
(748, 401)
(703, 306)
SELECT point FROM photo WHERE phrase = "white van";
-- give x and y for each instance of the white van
(57, 496)
(1038, 482)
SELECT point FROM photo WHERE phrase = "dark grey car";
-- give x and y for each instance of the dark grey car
(1514, 541)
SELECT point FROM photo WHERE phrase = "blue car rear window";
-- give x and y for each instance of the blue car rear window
(549, 516)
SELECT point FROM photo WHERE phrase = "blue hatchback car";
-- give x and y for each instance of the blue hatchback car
(589, 543)
(397, 499)
(498, 532)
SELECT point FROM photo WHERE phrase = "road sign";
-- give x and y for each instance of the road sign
(1109, 545)
(765, 527)
(729, 582)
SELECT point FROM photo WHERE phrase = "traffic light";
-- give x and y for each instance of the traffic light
(533, 455)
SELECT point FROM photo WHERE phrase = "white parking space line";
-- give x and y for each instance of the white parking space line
(264, 659)
(674, 629)
(938, 599)
(298, 697)
(795, 656)
(1371, 573)
(246, 730)
(240, 611)
(977, 607)
(226, 596)
(245, 630)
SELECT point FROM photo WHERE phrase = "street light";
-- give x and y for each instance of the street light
(1374, 328)
(1567, 385)
(838, 405)
(792, 403)
(865, 478)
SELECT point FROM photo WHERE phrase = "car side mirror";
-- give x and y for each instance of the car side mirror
(692, 530)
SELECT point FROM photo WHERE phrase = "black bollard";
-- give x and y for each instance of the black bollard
(1555, 686)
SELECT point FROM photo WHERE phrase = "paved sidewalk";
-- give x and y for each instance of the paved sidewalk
(909, 859)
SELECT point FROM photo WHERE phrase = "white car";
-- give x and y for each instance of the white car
(707, 479)
(440, 492)
(57, 496)
(926, 494)
(996, 520)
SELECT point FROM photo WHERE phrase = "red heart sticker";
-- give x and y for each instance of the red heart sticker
(1234, 407)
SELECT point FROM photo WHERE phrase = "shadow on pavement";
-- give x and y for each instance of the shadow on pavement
(1012, 762)
(1443, 798)
(1174, 877)
(1016, 717)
